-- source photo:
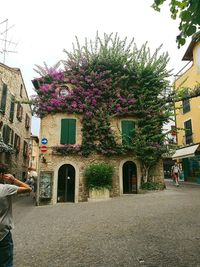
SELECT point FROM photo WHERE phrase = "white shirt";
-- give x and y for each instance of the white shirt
(6, 220)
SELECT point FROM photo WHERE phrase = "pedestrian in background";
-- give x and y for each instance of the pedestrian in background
(175, 173)
(9, 186)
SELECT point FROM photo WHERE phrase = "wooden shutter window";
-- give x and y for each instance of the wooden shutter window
(68, 131)
(17, 143)
(12, 137)
(19, 112)
(3, 98)
(127, 131)
(6, 134)
(25, 149)
(27, 122)
(12, 109)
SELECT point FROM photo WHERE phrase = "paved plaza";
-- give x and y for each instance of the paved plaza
(153, 229)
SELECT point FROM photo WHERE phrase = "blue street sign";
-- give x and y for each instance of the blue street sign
(44, 141)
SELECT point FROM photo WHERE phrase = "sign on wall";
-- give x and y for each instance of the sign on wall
(44, 141)
(45, 184)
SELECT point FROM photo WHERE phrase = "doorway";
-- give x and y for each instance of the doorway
(66, 184)
(129, 178)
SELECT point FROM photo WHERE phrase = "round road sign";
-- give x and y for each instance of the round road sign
(43, 149)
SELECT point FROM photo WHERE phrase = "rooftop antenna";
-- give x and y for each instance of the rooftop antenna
(5, 40)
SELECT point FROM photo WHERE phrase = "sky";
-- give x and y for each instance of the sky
(42, 29)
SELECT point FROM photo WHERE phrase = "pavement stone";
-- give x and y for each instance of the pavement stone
(155, 229)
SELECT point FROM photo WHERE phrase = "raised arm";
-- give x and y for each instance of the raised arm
(23, 188)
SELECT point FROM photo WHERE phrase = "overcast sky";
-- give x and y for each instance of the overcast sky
(43, 28)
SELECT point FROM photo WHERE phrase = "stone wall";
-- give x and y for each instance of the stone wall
(51, 161)
(54, 162)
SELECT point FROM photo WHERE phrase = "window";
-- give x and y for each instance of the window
(21, 89)
(19, 111)
(3, 98)
(6, 134)
(68, 131)
(12, 109)
(27, 122)
(17, 143)
(25, 149)
(188, 132)
(12, 137)
(127, 131)
(186, 105)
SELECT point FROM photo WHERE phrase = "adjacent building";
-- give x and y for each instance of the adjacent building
(188, 114)
(15, 121)
(33, 153)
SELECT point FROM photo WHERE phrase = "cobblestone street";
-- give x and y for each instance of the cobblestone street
(153, 230)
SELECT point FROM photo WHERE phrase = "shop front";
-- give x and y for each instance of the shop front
(189, 158)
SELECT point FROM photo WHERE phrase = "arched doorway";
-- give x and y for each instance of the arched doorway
(129, 178)
(66, 183)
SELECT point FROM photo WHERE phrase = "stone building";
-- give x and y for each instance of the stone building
(15, 120)
(61, 176)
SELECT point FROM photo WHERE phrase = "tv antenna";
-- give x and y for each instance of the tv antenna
(5, 43)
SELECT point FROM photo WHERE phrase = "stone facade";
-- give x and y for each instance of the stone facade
(33, 152)
(16, 127)
(50, 162)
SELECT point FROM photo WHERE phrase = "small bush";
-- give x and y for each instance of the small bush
(99, 176)
(152, 186)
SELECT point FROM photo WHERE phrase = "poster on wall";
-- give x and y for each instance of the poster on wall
(46, 182)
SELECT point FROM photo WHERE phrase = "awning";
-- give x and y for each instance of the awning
(185, 152)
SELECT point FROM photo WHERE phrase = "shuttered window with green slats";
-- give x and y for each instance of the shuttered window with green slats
(12, 109)
(128, 127)
(68, 131)
(3, 98)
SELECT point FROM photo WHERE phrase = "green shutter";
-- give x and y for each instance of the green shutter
(127, 131)
(3, 98)
(68, 131)
(12, 109)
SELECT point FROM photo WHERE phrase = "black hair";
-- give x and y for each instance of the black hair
(3, 168)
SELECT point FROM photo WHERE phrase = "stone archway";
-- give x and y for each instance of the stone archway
(129, 172)
(66, 183)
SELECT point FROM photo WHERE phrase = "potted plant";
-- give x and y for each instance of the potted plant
(98, 178)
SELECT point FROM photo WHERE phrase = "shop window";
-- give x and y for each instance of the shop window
(68, 131)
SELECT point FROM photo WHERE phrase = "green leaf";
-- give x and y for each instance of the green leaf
(190, 30)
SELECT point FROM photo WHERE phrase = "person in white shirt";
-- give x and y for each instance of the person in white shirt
(9, 186)
(176, 173)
